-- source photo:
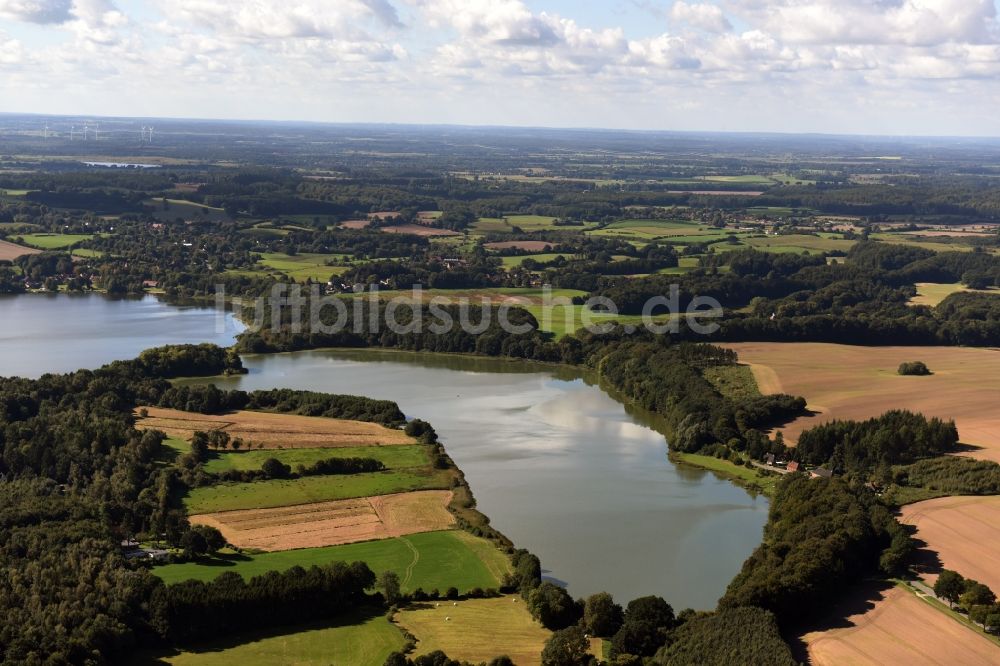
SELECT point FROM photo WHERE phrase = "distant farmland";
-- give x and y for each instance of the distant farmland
(11, 251)
(854, 382)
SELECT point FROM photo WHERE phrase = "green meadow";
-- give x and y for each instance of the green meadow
(288, 492)
(393, 457)
(54, 241)
(429, 560)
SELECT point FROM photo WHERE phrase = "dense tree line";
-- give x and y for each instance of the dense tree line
(897, 437)
(821, 536)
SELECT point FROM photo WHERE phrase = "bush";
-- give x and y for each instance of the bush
(916, 368)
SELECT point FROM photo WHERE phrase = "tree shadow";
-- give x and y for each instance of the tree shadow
(856, 600)
(924, 560)
(160, 657)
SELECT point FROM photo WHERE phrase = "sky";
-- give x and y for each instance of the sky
(897, 67)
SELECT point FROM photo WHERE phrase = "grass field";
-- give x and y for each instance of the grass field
(733, 381)
(744, 476)
(853, 382)
(513, 262)
(963, 531)
(310, 489)
(334, 523)
(531, 223)
(393, 457)
(491, 225)
(477, 630)
(302, 266)
(798, 243)
(897, 627)
(431, 560)
(187, 210)
(356, 640)
(677, 230)
(11, 251)
(269, 430)
(929, 293)
(54, 241)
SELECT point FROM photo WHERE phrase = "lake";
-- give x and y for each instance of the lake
(559, 467)
(42, 333)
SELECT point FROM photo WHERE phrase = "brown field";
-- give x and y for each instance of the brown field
(937, 233)
(355, 224)
(900, 629)
(530, 246)
(334, 523)
(963, 531)
(850, 382)
(269, 431)
(418, 230)
(11, 251)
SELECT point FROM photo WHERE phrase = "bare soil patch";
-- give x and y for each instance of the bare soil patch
(355, 224)
(272, 431)
(900, 629)
(334, 523)
(964, 532)
(11, 251)
(530, 246)
(852, 382)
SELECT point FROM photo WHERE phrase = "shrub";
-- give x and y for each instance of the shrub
(915, 368)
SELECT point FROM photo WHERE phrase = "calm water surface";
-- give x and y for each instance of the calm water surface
(558, 466)
(42, 333)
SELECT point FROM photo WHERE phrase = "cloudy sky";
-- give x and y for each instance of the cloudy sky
(843, 66)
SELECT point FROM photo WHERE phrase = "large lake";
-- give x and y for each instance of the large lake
(42, 333)
(557, 464)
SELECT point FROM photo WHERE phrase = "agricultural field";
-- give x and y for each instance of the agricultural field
(647, 230)
(185, 210)
(11, 251)
(47, 241)
(491, 225)
(526, 245)
(529, 223)
(429, 560)
(266, 430)
(854, 382)
(897, 627)
(366, 641)
(333, 523)
(963, 531)
(514, 262)
(304, 266)
(476, 630)
(311, 489)
(393, 457)
(418, 230)
(798, 243)
(931, 294)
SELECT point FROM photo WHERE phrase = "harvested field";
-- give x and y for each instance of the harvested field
(900, 629)
(418, 230)
(269, 431)
(852, 382)
(930, 293)
(11, 251)
(334, 523)
(355, 224)
(963, 531)
(529, 246)
(477, 630)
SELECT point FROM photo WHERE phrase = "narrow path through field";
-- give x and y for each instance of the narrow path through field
(416, 558)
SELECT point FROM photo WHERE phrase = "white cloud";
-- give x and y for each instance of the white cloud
(703, 16)
(36, 11)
